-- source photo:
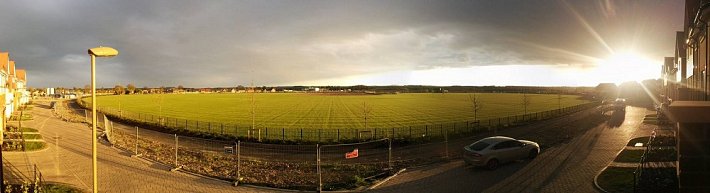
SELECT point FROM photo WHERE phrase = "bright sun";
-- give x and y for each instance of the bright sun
(626, 66)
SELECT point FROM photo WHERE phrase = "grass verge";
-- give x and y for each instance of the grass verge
(657, 155)
(33, 136)
(29, 146)
(617, 179)
(60, 188)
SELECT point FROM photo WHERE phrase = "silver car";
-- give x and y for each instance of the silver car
(493, 151)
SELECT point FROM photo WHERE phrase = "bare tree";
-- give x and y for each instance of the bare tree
(475, 104)
(526, 102)
(131, 88)
(118, 89)
(366, 110)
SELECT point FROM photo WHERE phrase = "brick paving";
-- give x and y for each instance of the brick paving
(566, 167)
(572, 167)
(68, 160)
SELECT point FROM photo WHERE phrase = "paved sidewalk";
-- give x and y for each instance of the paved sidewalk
(68, 160)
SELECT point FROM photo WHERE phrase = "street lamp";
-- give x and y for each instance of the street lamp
(96, 52)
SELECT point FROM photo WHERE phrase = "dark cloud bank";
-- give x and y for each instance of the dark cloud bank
(226, 43)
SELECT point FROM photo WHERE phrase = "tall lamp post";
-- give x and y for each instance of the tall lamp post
(96, 52)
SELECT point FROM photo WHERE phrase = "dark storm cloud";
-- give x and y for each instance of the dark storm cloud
(225, 43)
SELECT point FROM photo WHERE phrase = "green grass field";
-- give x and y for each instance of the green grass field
(300, 110)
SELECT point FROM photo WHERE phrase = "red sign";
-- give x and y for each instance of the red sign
(350, 155)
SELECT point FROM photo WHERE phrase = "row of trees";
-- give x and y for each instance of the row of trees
(131, 89)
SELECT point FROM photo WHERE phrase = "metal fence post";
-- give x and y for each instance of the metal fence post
(441, 130)
(446, 143)
(177, 166)
(320, 179)
(239, 161)
(392, 137)
(136, 153)
(426, 130)
(410, 132)
(221, 128)
(389, 153)
(338, 138)
(283, 134)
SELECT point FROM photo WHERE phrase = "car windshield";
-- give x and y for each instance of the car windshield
(478, 146)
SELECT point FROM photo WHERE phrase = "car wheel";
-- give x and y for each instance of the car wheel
(492, 164)
(532, 154)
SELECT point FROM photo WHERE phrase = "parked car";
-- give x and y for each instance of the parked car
(620, 104)
(491, 152)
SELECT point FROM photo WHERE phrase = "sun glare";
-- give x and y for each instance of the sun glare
(627, 66)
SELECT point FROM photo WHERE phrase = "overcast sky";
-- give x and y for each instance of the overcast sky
(228, 43)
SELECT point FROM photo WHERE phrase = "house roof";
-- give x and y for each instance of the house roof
(22, 75)
(4, 59)
(12, 67)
